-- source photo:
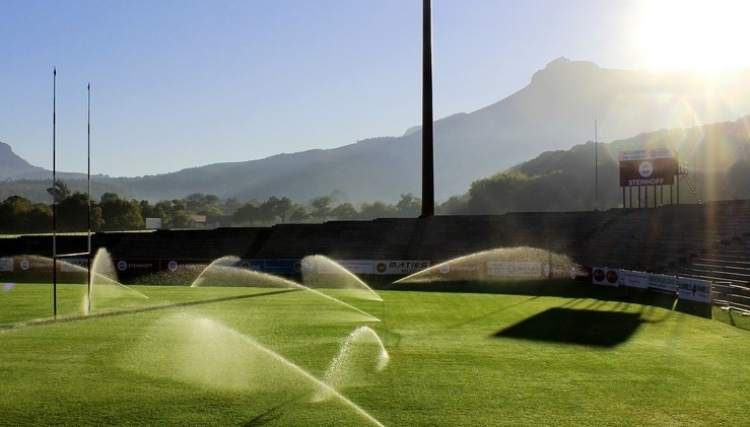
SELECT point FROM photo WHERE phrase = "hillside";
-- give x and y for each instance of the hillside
(554, 112)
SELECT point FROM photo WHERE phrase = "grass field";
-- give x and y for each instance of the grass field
(253, 356)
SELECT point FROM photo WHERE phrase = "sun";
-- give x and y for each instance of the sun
(707, 36)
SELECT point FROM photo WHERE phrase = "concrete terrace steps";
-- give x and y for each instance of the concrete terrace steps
(182, 244)
(386, 238)
(708, 240)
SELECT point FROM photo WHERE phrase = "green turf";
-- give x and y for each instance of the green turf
(213, 356)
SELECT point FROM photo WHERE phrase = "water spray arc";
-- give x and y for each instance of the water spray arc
(226, 271)
(206, 352)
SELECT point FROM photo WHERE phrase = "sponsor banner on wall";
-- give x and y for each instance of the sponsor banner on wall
(605, 276)
(173, 265)
(336, 266)
(6, 264)
(400, 267)
(282, 266)
(663, 283)
(251, 264)
(353, 266)
(73, 265)
(460, 269)
(694, 289)
(514, 268)
(33, 264)
(137, 266)
(633, 279)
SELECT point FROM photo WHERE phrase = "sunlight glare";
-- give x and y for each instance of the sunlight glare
(698, 35)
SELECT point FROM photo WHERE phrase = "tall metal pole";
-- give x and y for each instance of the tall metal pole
(88, 192)
(428, 176)
(596, 166)
(54, 193)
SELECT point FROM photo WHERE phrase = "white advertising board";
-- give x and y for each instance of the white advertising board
(663, 283)
(633, 279)
(6, 264)
(694, 289)
(605, 276)
(400, 266)
(356, 266)
(514, 268)
(73, 265)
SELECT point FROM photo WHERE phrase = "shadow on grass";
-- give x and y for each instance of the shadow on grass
(545, 288)
(581, 327)
(272, 414)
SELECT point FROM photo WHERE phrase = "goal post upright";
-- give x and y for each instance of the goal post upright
(54, 190)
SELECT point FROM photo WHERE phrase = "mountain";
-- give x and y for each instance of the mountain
(556, 110)
(13, 166)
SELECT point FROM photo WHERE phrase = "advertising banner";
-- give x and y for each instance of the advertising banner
(400, 267)
(355, 266)
(251, 264)
(647, 167)
(662, 283)
(605, 276)
(462, 270)
(294, 266)
(694, 289)
(282, 266)
(137, 266)
(73, 265)
(633, 279)
(514, 268)
(6, 264)
(33, 264)
(173, 265)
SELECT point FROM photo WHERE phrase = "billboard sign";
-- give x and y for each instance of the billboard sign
(514, 268)
(6, 264)
(647, 167)
(137, 266)
(663, 283)
(400, 266)
(694, 289)
(634, 279)
(605, 276)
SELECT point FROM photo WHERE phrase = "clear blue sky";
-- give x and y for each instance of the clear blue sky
(185, 83)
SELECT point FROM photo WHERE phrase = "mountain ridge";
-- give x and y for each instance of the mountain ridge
(556, 110)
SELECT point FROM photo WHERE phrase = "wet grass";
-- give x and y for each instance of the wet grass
(247, 357)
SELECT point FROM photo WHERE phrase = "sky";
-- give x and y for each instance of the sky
(177, 84)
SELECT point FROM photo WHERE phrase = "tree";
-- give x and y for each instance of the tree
(377, 209)
(173, 213)
(121, 214)
(275, 209)
(73, 213)
(203, 204)
(344, 211)
(230, 205)
(409, 206)
(62, 190)
(299, 214)
(455, 205)
(19, 215)
(321, 208)
(247, 213)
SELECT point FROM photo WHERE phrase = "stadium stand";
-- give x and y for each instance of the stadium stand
(707, 241)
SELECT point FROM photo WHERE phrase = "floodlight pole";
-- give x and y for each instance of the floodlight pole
(54, 193)
(428, 175)
(88, 192)
(596, 166)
